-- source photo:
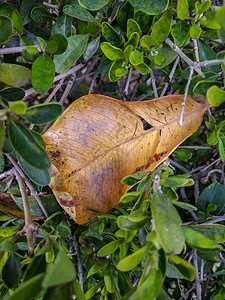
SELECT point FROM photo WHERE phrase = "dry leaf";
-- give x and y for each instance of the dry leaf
(99, 140)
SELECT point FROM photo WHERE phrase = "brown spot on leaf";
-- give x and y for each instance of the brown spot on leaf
(67, 203)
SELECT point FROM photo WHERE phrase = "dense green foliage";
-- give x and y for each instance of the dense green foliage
(165, 239)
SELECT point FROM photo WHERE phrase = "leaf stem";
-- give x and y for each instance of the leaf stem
(153, 84)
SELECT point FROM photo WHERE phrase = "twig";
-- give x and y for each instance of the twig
(181, 291)
(177, 165)
(114, 12)
(196, 190)
(207, 63)
(215, 220)
(194, 147)
(197, 280)
(27, 214)
(51, 5)
(170, 76)
(57, 78)
(79, 264)
(190, 62)
(185, 95)
(210, 173)
(7, 173)
(33, 192)
(93, 82)
(12, 50)
(196, 50)
(67, 89)
(55, 90)
(153, 84)
(126, 90)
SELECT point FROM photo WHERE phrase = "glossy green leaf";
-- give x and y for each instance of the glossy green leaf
(212, 139)
(62, 265)
(184, 205)
(92, 47)
(195, 31)
(121, 71)
(100, 265)
(18, 107)
(93, 290)
(109, 282)
(150, 288)
(215, 232)
(132, 260)
(167, 224)
(33, 51)
(132, 26)
(199, 241)
(11, 271)
(127, 52)
(182, 154)
(132, 222)
(93, 5)
(7, 147)
(133, 40)
(183, 266)
(129, 196)
(133, 178)
(25, 41)
(62, 42)
(12, 94)
(8, 245)
(212, 194)
(26, 145)
(112, 71)
(136, 57)
(111, 52)
(17, 21)
(110, 34)
(15, 75)
(28, 289)
(109, 248)
(6, 27)
(79, 12)
(9, 230)
(63, 25)
(43, 113)
(202, 87)
(221, 148)
(221, 17)
(210, 76)
(182, 9)
(125, 12)
(161, 29)
(173, 272)
(142, 68)
(39, 176)
(150, 7)
(6, 9)
(159, 59)
(2, 135)
(76, 47)
(43, 73)
(52, 47)
(180, 32)
(36, 266)
(41, 14)
(177, 181)
(215, 96)
(26, 7)
(206, 53)
(204, 6)
(144, 21)
(168, 53)
(210, 20)
(169, 193)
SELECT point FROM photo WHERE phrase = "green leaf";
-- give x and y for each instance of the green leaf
(126, 12)
(212, 139)
(8, 245)
(18, 107)
(17, 21)
(79, 12)
(199, 241)
(2, 135)
(168, 53)
(39, 176)
(150, 7)
(93, 290)
(109, 282)
(133, 40)
(76, 47)
(167, 223)
(182, 9)
(63, 25)
(26, 145)
(212, 194)
(206, 53)
(150, 288)
(132, 26)
(169, 193)
(133, 178)
(6, 27)
(161, 29)
(52, 47)
(62, 265)
(183, 266)
(36, 266)
(132, 260)
(210, 20)
(28, 289)
(32, 51)
(62, 42)
(100, 265)
(92, 47)
(159, 59)
(7, 147)
(195, 31)
(180, 32)
(173, 272)
(215, 232)
(204, 6)
(221, 148)
(15, 75)
(177, 181)
(184, 205)
(132, 222)
(109, 248)
(110, 34)
(129, 196)
(182, 154)
(43, 113)
(215, 96)
(9, 230)
(210, 76)
(11, 271)
(26, 7)
(136, 57)
(43, 73)
(202, 87)
(12, 94)
(221, 17)
(127, 52)
(111, 52)
(41, 14)
(25, 41)
(144, 21)
(112, 71)
(93, 5)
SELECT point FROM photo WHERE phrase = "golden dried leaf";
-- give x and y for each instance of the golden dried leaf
(99, 140)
